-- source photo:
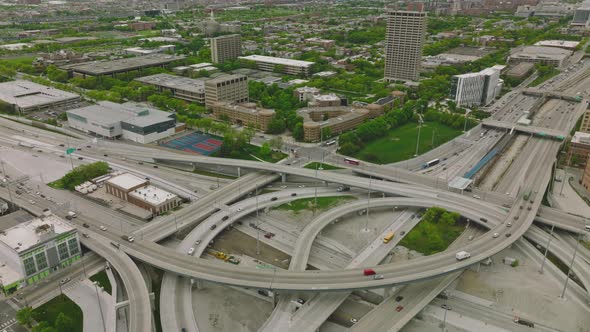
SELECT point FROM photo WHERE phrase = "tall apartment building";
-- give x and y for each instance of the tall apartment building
(476, 89)
(229, 88)
(226, 48)
(403, 44)
(582, 15)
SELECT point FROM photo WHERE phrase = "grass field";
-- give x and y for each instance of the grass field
(434, 233)
(543, 78)
(103, 280)
(400, 144)
(50, 310)
(327, 167)
(307, 203)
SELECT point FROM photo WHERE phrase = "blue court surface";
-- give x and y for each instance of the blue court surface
(195, 143)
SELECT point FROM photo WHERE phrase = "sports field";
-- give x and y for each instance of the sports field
(400, 144)
(195, 143)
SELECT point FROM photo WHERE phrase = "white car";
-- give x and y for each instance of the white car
(496, 235)
(102, 228)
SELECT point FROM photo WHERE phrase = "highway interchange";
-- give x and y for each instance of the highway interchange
(530, 172)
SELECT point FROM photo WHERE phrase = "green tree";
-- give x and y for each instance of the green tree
(57, 75)
(265, 149)
(64, 323)
(298, 131)
(25, 316)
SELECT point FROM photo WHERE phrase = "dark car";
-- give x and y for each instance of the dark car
(399, 308)
(508, 234)
(155, 166)
(273, 199)
(213, 227)
(402, 233)
(399, 298)
(293, 194)
(225, 218)
(86, 225)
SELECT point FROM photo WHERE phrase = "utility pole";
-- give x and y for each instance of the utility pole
(418, 139)
(368, 205)
(99, 306)
(547, 249)
(567, 278)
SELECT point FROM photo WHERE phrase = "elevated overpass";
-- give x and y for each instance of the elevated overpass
(536, 131)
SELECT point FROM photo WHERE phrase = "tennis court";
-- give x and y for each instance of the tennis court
(195, 143)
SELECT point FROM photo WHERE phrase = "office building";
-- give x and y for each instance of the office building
(281, 65)
(338, 118)
(552, 56)
(181, 87)
(246, 114)
(138, 191)
(476, 89)
(227, 88)
(224, 48)
(136, 122)
(25, 97)
(403, 44)
(585, 125)
(582, 15)
(31, 250)
(579, 149)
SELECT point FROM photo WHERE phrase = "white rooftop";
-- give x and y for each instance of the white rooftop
(201, 65)
(558, 43)
(26, 235)
(581, 138)
(107, 113)
(27, 94)
(277, 61)
(152, 195)
(126, 181)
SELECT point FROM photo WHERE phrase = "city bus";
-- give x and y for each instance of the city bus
(351, 161)
(431, 163)
(388, 237)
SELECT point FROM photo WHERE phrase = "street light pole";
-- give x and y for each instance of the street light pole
(567, 278)
(547, 248)
(418, 139)
(368, 204)
(100, 306)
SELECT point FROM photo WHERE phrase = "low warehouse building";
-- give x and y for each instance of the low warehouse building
(140, 192)
(25, 97)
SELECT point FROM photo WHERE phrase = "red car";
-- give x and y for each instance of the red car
(369, 272)
(399, 308)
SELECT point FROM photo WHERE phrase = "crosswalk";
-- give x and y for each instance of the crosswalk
(7, 324)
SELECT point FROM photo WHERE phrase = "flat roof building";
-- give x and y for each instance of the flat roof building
(246, 114)
(25, 96)
(140, 192)
(285, 66)
(226, 88)
(520, 70)
(185, 88)
(119, 66)
(136, 122)
(566, 44)
(339, 119)
(579, 149)
(31, 250)
(403, 44)
(552, 56)
(226, 48)
(582, 15)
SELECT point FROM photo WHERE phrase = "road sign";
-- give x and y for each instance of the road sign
(70, 150)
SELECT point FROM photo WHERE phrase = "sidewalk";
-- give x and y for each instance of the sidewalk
(84, 294)
(566, 198)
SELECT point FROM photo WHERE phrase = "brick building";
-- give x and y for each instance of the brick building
(138, 191)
